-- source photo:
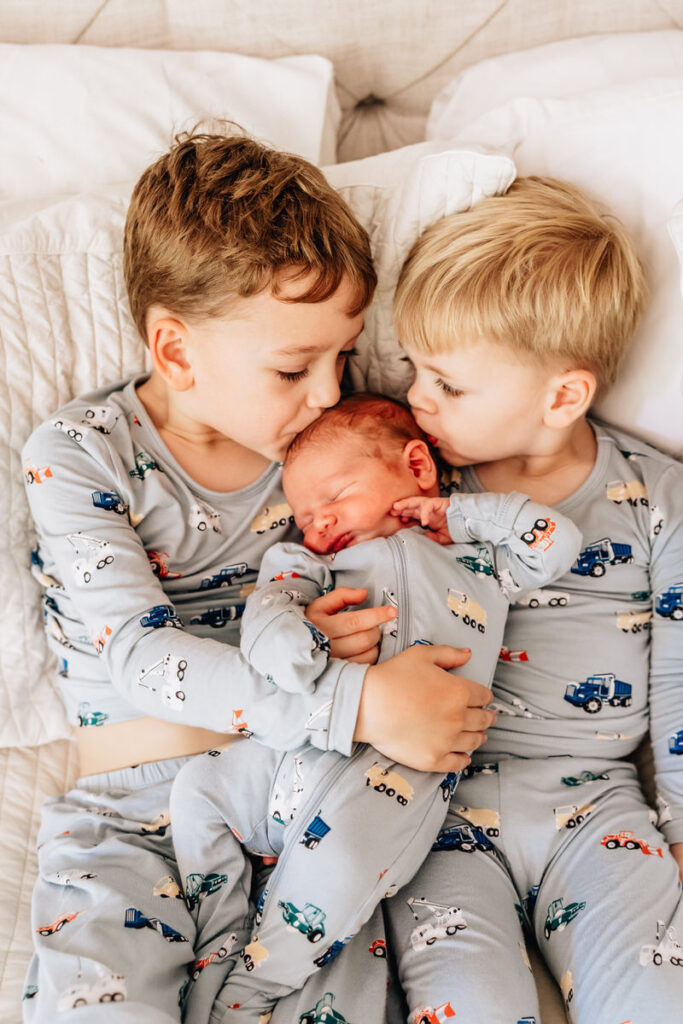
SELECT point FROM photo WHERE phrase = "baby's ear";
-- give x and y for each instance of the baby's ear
(420, 463)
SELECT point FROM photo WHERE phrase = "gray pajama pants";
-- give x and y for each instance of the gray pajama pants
(113, 935)
(347, 831)
(565, 847)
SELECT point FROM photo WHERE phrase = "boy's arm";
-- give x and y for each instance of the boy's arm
(532, 544)
(162, 669)
(277, 639)
(666, 652)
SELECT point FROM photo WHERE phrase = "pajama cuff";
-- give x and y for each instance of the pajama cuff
(504, 511)
(347, 694)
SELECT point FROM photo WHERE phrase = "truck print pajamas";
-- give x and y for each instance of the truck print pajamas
(347, 830)
(549, 828)
(145, 577)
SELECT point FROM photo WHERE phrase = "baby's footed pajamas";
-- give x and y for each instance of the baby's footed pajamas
(347, 830)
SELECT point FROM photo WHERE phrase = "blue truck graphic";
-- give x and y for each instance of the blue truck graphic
(597, 690)
(676, 743)
(136, 919)
(225, 577)
(448, 784)
(333, 951)
(320, 641)
(160, 615)
(109, 500)
(315, 831)
(670, 603)
(462, 837)
(595, 557)
(218, 617)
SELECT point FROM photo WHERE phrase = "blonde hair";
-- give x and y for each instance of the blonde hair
(220, 217)
(542, 270)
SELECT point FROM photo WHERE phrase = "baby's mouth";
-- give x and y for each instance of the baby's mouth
(342, 541)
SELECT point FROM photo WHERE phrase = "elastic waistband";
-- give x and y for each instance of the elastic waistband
(137, 777)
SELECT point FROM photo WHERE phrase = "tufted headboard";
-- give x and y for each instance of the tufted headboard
(386, 79)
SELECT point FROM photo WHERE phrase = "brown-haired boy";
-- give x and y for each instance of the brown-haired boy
(248, 277)
(515, 315)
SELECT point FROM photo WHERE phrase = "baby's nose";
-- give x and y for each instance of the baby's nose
(318, 536)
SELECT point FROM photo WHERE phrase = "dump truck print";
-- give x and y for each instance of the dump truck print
(539, 535)
(571, 815)
(331, 952)
(481, 768)
(597, 690)
(108, 989)
(203, 517)
(559, 916)
(594, 558)
(448, 784)
(136, 919)
(160, 615)
(442, 922)
(463, 607)
(670, 603)
(627, 840)
(632, 491)
(315, 832)
(385, 780)
(634, 621)
(218, 617)
(483, 818)
(272, 517)
(665, 949)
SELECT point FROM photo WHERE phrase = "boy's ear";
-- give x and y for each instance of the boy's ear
(570, 396)
(418, 458)
(167, 341)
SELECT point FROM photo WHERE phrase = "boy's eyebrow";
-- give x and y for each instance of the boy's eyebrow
(306, 350)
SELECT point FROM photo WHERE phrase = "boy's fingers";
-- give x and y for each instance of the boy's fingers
(453, 763)
(339, 599)
(348, 623)
(355, 643)
(367, 657)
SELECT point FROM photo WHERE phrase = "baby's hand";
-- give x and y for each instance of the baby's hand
(353, 635)
(429, 512)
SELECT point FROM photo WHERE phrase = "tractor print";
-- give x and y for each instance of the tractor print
(540, 533)
(433, 1014)
(627, 840)
(559, 916)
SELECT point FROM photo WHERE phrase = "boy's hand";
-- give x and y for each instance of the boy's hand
(429, 512)
(677, 851)
(415, 712)
(355, 635)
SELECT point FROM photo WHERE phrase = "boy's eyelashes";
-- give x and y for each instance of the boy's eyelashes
(292, 376)
(448, 388)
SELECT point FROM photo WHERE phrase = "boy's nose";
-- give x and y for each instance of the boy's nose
(416, 400)
(324, 394)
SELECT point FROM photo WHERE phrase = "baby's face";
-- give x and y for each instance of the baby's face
(343, 496)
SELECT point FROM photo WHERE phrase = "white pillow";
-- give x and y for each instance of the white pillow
(553, 71)
(624, 145)
(65, 327)
(75, 118)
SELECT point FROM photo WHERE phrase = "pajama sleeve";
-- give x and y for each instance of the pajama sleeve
(532, 544)
(277, 638)
(666, 652)
(166, 672)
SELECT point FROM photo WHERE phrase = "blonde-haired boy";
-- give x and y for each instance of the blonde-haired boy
(515, 315)
(248, 277)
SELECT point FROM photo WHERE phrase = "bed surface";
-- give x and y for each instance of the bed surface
(391, 57)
